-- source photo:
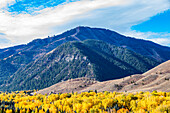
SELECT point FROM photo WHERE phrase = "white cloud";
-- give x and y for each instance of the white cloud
(140, 35)
(163, 41)
(117, 15)
(4, 42)
(160, 38)
(4, 3)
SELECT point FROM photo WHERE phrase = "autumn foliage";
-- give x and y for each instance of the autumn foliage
(86, 102)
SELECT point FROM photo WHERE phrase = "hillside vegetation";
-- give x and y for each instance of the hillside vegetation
(86, 102)
(91, 58)
(80, 52)
(155, 79)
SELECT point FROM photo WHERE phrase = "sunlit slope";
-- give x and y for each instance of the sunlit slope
(157, 78)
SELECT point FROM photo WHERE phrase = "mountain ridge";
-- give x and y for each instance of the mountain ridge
(78, 32)
(90, 58)
(18, 57)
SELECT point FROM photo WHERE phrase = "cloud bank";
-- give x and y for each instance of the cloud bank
(162, 38)
(118, 15)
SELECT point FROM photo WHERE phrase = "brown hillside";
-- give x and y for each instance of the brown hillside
(160, 69)
(157, 78)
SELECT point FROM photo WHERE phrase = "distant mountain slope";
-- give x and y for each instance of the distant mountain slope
(157, 78)
(143, 47)
(91, 58)
(19, 56)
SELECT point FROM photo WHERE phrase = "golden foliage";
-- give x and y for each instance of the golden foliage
(86, 102)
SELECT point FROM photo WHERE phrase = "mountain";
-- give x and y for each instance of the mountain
(90, 58)
(154, 79)
(14, 60)
(6, 69)
(143, 47)
(19, 56)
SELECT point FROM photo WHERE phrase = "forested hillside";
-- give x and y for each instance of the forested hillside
(90, 58)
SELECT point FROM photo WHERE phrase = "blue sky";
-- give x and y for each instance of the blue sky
(30, 6)
(25, 20)
(158, 23)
